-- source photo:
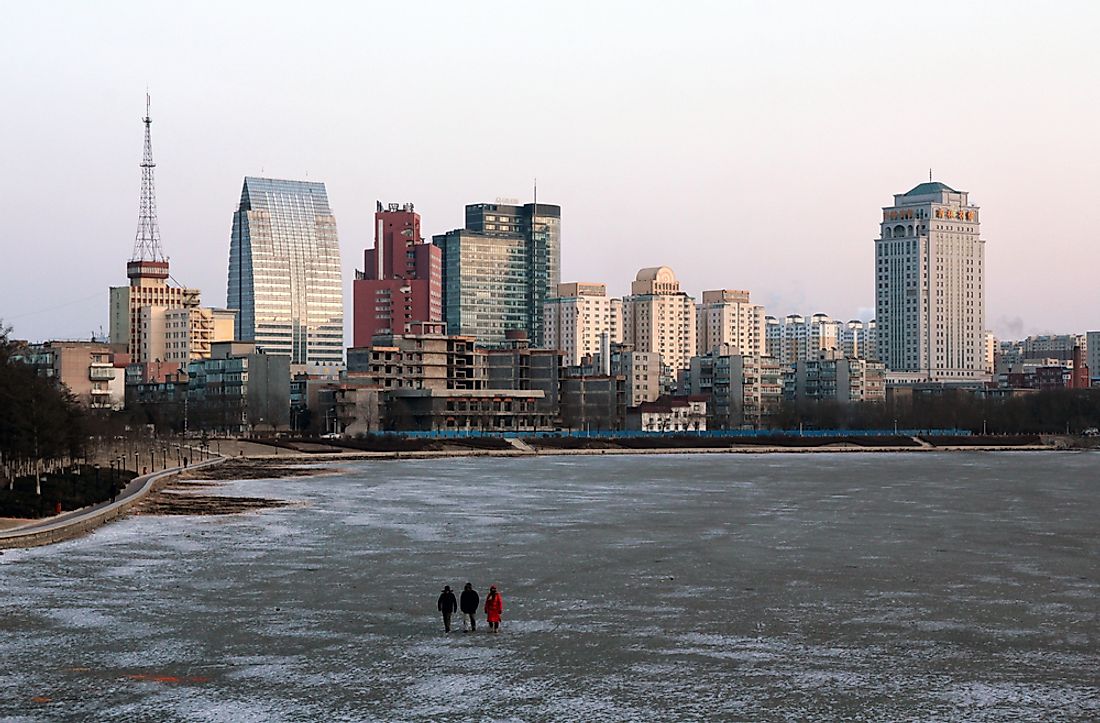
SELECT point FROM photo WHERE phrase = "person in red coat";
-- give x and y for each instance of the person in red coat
(494, 606)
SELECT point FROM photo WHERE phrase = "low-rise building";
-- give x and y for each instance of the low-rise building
(90, 370)
(239, 391)
(669, 414)
(595, 402)
(487, 410)
(515, 365)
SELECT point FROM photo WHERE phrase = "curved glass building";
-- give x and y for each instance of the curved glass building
(284, 271)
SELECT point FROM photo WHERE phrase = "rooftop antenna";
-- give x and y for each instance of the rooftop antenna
(929, 175)
(147, 242)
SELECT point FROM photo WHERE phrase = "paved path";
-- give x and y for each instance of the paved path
(77, 522)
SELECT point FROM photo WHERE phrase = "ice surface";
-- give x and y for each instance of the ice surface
(946, 587)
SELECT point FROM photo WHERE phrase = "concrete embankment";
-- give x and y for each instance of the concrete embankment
(80, 522)
(294, 456)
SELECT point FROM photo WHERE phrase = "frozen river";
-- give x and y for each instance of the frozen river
(958, 586)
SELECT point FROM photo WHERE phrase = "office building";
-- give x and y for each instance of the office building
(485, 288)
(577, 317)
(284, 271)
(402, 278)
(540, 226)
(728, 317)
(930, 285)
(658, 317)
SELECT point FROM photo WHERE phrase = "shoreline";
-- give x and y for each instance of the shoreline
(35, 532)
(295, 456)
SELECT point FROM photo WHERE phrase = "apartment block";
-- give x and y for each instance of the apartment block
(659, 317)
(743, 391)
(576, 319)
(727, 317)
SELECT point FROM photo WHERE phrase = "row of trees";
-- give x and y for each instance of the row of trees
(1068, 411)
(41, 425)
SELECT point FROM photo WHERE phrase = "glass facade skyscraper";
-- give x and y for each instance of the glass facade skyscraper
(284, 271)
(485, 288)
(539, 224)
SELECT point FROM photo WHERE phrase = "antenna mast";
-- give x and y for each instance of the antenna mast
(147, 242)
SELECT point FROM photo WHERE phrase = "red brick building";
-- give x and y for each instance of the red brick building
(402, 277)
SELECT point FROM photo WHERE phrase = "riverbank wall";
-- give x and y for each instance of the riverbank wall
(82, 521)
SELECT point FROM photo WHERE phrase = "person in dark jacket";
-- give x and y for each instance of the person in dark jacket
(469, 602)
(447, 605)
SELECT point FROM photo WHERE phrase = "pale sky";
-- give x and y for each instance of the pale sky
(745, 144)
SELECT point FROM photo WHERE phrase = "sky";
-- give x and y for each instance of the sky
(746, 145)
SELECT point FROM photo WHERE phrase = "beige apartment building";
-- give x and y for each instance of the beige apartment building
(728, 317)
(148, 288)
(183, 334)
(577, 317)
(86, 369)
(658, 317)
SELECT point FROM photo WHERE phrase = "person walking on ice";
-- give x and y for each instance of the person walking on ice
(494, 606)
(468, 603)
(447, 605)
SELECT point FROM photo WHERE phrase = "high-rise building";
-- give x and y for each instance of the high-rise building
(284, 271)
(856, 339)
(402, 278)
(1092, 355)
(147, 268)
(540, 226)
(793, 339)
(484, 284)
(930, 285)
(577, 317)
(658, 317)
(727, 316)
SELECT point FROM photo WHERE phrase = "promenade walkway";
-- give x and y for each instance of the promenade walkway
(78, 522)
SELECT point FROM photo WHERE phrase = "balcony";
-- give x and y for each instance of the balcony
(101, 373)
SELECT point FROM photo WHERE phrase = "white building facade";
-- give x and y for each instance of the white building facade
(658, 317)
(576, 318)
(728, 317)
(930, 285)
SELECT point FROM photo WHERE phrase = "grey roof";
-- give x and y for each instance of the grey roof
(930, 187)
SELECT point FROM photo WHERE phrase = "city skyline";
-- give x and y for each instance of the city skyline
(717, 154)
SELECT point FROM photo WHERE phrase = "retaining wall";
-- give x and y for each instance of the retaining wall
(80, 523)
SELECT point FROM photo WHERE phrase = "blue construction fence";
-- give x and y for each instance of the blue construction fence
(716, 433)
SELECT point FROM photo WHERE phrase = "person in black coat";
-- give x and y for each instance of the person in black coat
(447, 605)
(470, 601)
